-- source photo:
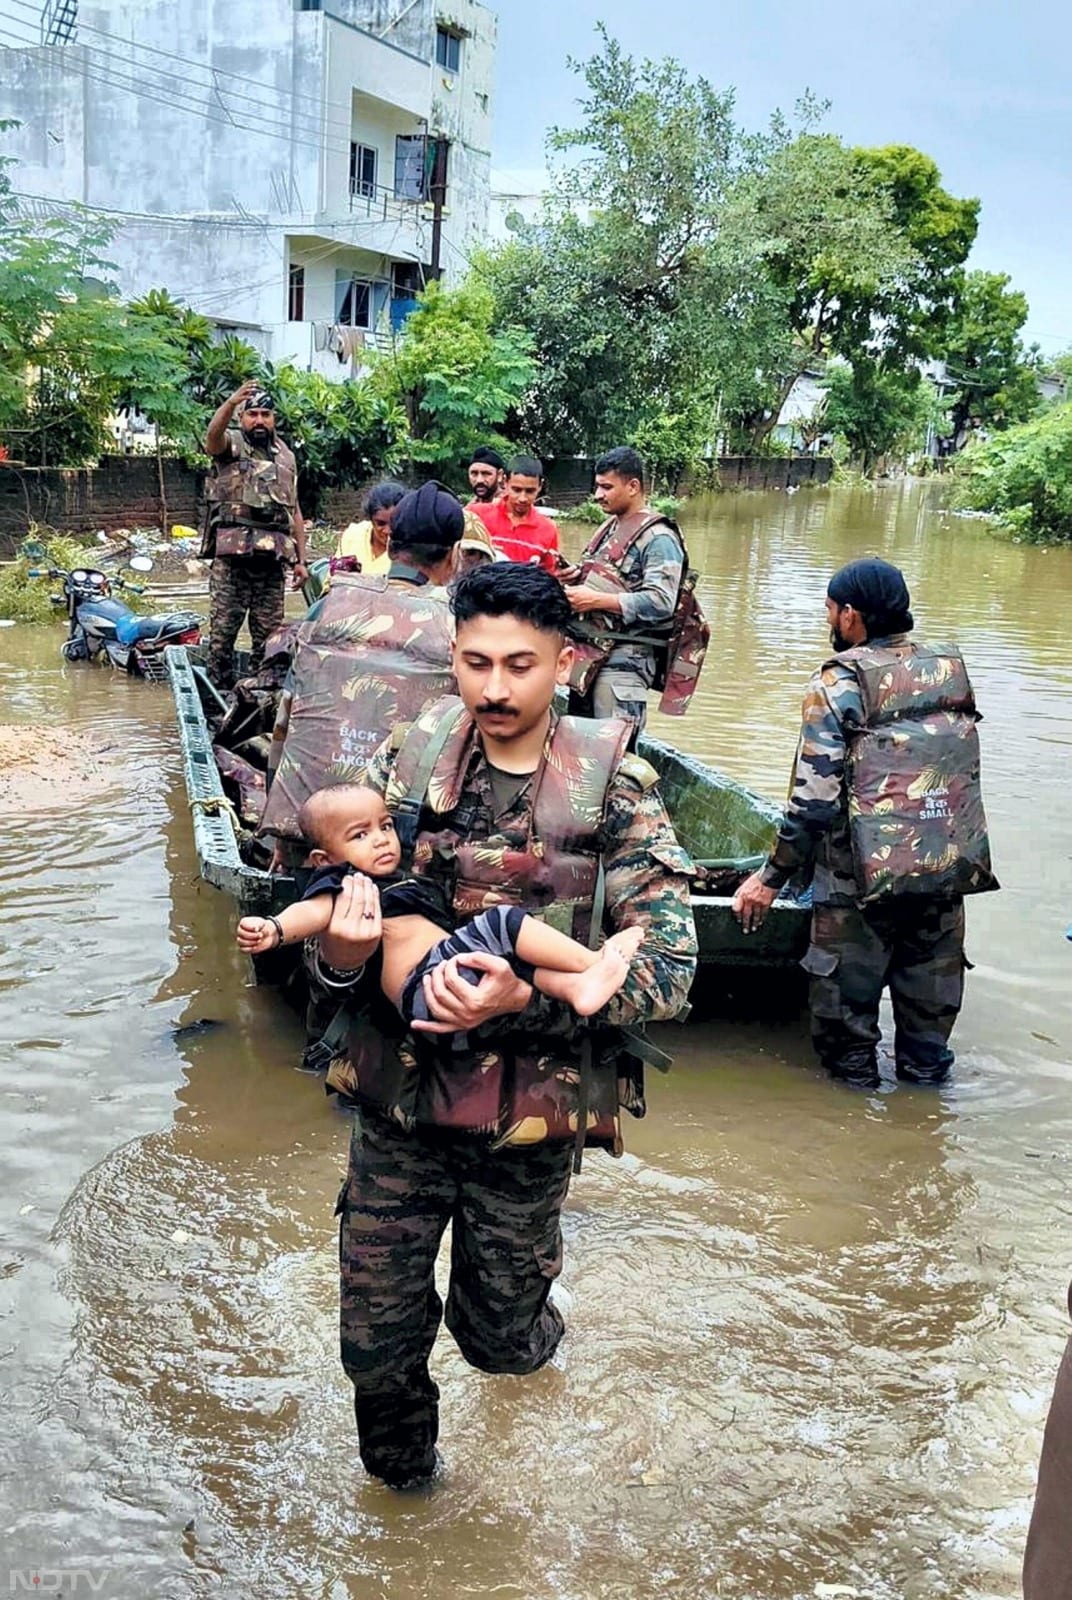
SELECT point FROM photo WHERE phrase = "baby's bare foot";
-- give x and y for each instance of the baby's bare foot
(592, 989)
(627, 942)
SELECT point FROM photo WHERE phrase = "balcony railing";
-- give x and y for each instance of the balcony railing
(380, 204)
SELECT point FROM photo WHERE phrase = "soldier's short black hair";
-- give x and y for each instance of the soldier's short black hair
(623, 461)
(509, 589)
(526, 467)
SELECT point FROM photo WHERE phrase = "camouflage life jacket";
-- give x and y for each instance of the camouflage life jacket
(517, 1089)
(915, 803)
(679, 650)
(251, 501)
(376, 654)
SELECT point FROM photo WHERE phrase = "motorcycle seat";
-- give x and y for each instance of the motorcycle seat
(130, 629)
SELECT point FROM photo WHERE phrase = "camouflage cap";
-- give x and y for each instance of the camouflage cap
(259, 400)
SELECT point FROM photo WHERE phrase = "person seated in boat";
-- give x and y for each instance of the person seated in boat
(362, 546)
(352, 832)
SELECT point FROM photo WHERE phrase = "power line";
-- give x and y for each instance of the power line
(214, 74)
(106, 72)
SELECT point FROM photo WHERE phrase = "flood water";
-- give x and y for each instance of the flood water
(813, 1333)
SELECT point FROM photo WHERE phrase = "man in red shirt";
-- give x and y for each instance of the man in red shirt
(517, 529)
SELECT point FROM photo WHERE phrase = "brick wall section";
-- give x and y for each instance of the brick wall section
(123, 491)
(120, 492)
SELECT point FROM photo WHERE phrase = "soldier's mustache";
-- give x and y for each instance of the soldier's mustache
(494, 711)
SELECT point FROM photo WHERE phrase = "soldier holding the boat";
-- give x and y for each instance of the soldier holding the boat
(637, 618)
(885, 812)
(504, 802)
(253, 529)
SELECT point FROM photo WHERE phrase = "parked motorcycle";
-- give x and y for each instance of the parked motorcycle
(100, 625)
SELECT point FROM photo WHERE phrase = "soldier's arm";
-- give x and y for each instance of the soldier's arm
(815, 793)
(217, 443)
(652, 604)
(647, 885)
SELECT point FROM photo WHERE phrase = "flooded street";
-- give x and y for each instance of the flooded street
(813, 1333)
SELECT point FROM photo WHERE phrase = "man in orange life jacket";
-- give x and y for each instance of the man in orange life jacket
(518, 531)
(650, 569)
(885, 812)
(510, 804)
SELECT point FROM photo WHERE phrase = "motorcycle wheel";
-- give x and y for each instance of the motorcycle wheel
(73, 650)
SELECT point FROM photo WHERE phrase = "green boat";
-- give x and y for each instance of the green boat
(725, 828)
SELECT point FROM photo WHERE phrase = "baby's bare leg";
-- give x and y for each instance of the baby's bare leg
(586, 991)
(542, 946)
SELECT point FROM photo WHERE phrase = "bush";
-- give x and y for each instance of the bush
(26, 599)
(1023, 476)
(591, 512)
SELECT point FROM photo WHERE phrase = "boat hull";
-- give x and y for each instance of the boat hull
(717, 821)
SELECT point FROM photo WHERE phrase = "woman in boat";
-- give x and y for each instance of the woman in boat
(365, 542)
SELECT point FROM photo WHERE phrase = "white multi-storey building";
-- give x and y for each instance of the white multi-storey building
(273, 163)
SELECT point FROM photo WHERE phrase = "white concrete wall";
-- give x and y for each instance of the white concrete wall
(241, 148)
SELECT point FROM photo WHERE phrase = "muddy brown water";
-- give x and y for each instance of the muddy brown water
(813, 1334)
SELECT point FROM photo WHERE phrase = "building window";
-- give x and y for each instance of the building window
(296, 295)
(362, 169)
(448, 50)
(353, 302)
(411, 154)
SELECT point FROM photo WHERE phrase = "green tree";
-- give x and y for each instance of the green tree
(341, 433)
(452, 376)
(1023, 476)
(878, 411)
(645, 321)
(995, 377)
(865, 246)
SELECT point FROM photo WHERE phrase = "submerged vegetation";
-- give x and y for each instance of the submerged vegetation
(1024, 477)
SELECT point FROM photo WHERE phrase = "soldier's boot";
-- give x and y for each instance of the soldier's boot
(927, 989)
(856, 1070)
(844, 1019)
(397, 1433)
(923, 1061)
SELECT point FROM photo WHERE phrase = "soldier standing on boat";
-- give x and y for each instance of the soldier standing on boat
(504, 802)
(885, 811)
(639, 624)
(254, 529)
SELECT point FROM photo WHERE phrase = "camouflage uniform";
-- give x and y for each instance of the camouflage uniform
(252, 500)
(912, 944)
(651, 570)
(239, 586)
(504, 1201)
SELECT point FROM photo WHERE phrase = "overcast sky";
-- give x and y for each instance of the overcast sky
(984, 88)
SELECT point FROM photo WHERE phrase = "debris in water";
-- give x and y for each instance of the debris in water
(180, 1236)
(190, 1030)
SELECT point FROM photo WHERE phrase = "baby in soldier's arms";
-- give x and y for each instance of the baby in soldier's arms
(351, 830)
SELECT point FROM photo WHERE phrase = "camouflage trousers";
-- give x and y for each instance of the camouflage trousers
(913, 946)
(506, 1250)
(238, 585)
(616, 691)
(1048, 1554)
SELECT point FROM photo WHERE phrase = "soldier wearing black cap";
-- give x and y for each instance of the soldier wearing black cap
(254, 528)
(885, 815)
(487, 475)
